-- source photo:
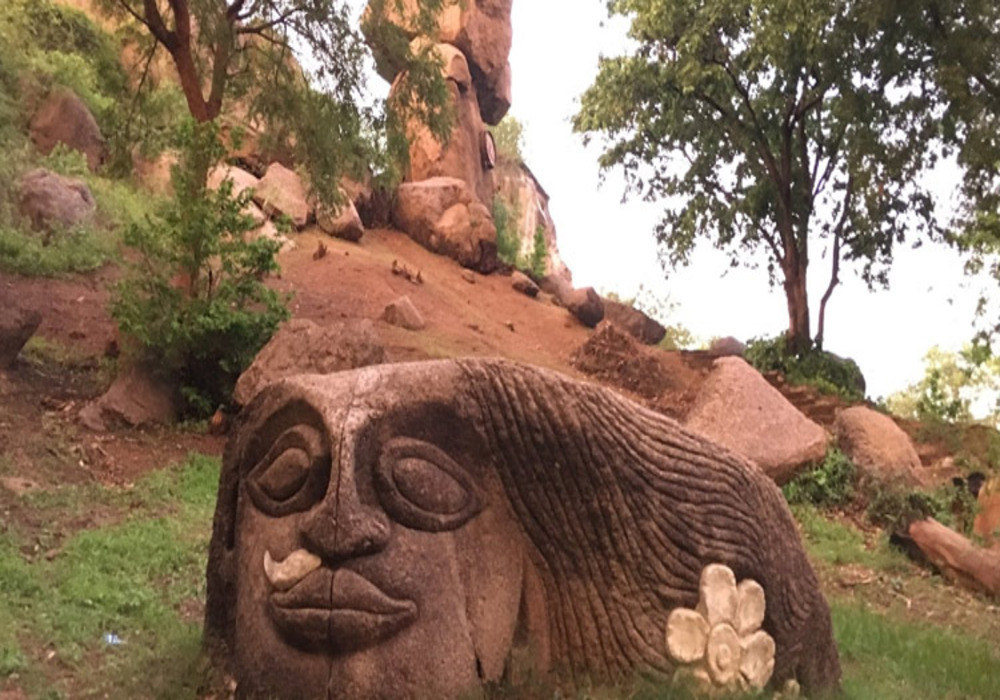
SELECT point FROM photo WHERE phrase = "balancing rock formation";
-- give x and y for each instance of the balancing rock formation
(420, 530)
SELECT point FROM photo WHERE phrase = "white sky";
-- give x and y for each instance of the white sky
(610, 245)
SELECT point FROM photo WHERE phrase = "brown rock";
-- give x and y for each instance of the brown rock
(242, 180)
(442, 215)
(302, 347)
(137, 399)
(987, 522)
(16, 328)
(344, 223)
(281, 191)
(522, 283)
(737, 408)
(957, 558)
(64, 118)
(878, 446)
(404, 314)
(53, 202)
(727, 347)
(447, 520)
(586, 305)
(634, 322)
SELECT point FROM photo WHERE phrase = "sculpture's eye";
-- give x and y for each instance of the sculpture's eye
(423, 488)
(293, 475)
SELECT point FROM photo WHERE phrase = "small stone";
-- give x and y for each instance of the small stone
(404, 314)
(522, 283)
(469, 276)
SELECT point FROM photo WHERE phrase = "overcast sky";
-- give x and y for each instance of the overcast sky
(609, 244)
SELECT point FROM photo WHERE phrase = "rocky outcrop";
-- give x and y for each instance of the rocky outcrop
(445, 217)
(63, 118)
(52, 202)
(528, 205)
(16, 328)
(879, 447)
(737, 408)
(282, 192)
(302, 347)
(634, 322)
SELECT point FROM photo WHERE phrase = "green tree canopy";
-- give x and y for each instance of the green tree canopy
(768, 127)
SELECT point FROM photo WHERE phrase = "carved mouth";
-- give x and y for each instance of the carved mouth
(338, 610)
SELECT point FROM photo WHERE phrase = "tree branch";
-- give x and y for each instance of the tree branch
(838, 236)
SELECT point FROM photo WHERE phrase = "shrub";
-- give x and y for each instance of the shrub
(539, 255)
(508, 243)
(830, 484)
(895, 508)
(194, 301)
(509, 137)
(815, 367)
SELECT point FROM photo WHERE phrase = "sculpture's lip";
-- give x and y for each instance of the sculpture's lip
(341, 610)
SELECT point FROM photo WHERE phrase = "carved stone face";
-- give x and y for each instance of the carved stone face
(419, 530)
(374, 556)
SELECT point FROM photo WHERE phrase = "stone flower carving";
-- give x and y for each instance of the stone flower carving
(720, 643)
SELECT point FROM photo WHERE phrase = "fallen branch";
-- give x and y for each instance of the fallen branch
(957, 557)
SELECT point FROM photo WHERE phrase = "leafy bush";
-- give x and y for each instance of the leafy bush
(830, 484)
(508, 243)
(895, 508)
(817, 368)
(194, 302)
(509, 137)
(539, 254)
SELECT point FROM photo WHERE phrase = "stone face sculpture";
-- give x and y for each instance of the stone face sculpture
(421, 530)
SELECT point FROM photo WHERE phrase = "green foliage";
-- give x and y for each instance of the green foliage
(838, 542)
(194, 302)
(895, 507)
(509, 137)
(891, 659)
(952, 383)
(817, 368)
(508, 242)
(539, 259)
(769, 129)
(830, 484)
(659, 307)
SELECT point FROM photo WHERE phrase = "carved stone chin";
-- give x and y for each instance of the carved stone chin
(419, 530)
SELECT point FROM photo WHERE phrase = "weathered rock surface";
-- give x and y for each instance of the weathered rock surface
(344, 222)
(63, 118)
(461, 155)
(443, 216)
(634, 322)
(958, 559)
(281, 191)
(522, 283)
(52, 202)
(16, 328)
(302, 347)
(242, 180)
(586, 304)
(727, 347)
(878, 446)
(137, 398)
(404, 314)
(738, 409)
(478, 510)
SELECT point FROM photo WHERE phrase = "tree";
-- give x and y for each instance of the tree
(772, 126)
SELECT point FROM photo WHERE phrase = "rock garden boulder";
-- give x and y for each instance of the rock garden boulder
(282, 192)
(634, 322)
(302, 347)
(586, 304)
(404, 314)
(343, 222)
(53, 202)
(442, 215)
(879, 447)
(727, 347)
(16, 328)
(137, 399)
(737, 408)
(63, 118)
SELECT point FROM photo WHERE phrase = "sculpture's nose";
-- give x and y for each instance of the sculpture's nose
(344, 527)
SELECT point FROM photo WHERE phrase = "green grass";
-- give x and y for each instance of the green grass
(131, 578)
(887, 658)
(838, 543)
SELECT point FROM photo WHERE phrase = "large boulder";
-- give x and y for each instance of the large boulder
(341, 222)
(302, 347)
(282, 192)
(241, 179)
(63, 118)
(879, 447)
(739, 409)
(634, 322)
(443, 215)
(727, 347)
(138, 398)
(427, 530)
(403, 314)
(461, 155)
(54, 202)
(586, 304)
(16, 328)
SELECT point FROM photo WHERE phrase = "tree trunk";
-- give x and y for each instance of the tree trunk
(799, 334)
